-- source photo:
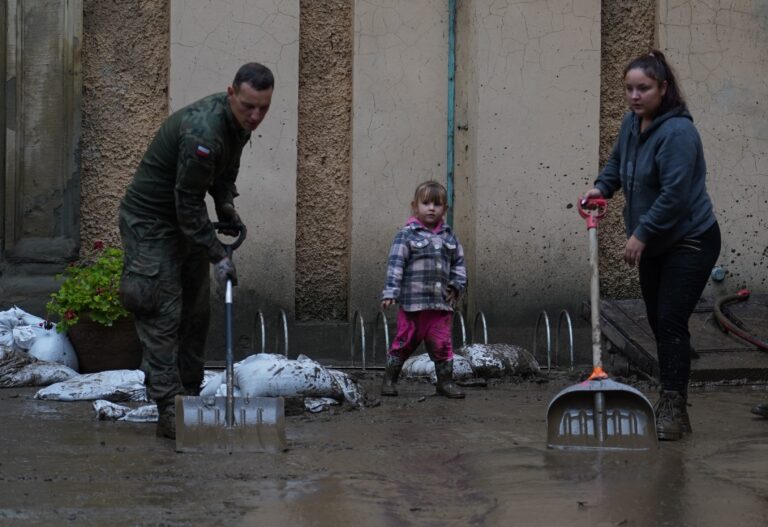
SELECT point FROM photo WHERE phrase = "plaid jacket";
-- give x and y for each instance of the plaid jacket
(422, 266)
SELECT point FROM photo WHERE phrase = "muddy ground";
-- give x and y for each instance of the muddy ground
(412, 460)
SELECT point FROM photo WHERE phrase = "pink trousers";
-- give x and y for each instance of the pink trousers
(432, 326)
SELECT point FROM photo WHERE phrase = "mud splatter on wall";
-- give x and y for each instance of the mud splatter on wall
(125, 82)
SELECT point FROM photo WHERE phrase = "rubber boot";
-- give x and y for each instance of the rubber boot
(671, 416)
(760, 409)
(391, 374)
(445, 386)
(166, 421)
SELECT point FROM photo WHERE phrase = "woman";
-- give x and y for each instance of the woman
(673, 235)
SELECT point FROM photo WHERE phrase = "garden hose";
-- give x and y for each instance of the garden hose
(728, 326)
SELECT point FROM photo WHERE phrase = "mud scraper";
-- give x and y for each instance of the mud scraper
(230, 424)
(599, 414)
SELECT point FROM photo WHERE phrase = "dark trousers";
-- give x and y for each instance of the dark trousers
(672, 283)
(166, 285)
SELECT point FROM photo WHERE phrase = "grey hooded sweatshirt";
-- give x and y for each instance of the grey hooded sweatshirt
(662, 173)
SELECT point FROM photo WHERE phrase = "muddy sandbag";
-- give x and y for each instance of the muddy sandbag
(108, 411)
(499, 360)
(353, 392)
(272, 375)
(422, 366)
(113, 385)
(21, 369)
(22, 331)
(319, 404)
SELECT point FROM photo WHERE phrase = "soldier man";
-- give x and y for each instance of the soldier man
(169, 239)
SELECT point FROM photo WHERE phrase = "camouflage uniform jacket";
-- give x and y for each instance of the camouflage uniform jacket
(423, 265)
(196, 151)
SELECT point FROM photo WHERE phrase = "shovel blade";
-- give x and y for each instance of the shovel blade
(259, 425)
(604, 415)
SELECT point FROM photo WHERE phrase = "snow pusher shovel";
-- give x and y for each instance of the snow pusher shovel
(230, 424)
(599, 413)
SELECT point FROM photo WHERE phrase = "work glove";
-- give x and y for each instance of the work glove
(227, 214)
(223, 270)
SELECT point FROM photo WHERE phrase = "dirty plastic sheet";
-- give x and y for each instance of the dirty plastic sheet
(108, 411)
(113, 385)
(22, 331)
(422, 366)
(319, 404)
(21, 369)
(353, 392)
(499, 360)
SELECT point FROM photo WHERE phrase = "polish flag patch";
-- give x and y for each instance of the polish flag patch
(202, 151)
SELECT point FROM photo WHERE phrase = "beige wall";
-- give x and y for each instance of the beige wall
(720, 51)
(209, 42)
(398, 127)
(528, 81)
(532, 112)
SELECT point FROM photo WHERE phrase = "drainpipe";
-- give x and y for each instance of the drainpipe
(451, 104)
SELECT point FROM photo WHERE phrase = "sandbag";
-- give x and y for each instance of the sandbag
(21, 369)
(22, 331)
(272, 375)
(113, 385)
(108, 411)
(319, 404)
(353, 392)
(422, 366)
(499, 360)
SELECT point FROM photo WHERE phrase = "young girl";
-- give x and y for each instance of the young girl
(673, 236)
(425, 275)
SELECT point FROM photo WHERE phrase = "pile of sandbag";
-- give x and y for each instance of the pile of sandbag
(30, 334)
(261, 375)
(484, 361)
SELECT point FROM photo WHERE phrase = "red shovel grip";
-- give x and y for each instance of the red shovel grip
(592, 210)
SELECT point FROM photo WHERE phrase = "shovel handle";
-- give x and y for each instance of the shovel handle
(592, 210)
(241, 232)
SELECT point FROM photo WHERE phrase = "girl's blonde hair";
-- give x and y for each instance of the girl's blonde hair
(431, 192)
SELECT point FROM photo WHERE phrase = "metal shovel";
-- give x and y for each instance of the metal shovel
(599, 413)
(230, 424)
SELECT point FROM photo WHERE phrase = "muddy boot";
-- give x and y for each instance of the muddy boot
(391, 374)
(445, 386)
(685, 421)
(760, 409)
(671, 416)
(191, 390)
(166, 421)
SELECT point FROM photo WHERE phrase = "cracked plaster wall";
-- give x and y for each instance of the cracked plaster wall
(125, 80)
(720, 51)
(398, 127)
(531, 105)
(209, 42)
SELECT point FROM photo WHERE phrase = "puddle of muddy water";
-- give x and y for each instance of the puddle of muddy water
(414, 460)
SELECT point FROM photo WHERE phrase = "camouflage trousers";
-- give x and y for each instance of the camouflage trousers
(166, 285)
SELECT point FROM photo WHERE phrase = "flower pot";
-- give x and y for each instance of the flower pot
(100, 348)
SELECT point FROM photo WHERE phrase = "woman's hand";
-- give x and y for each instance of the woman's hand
(591, 193)
(387, 302)
(633, 251)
